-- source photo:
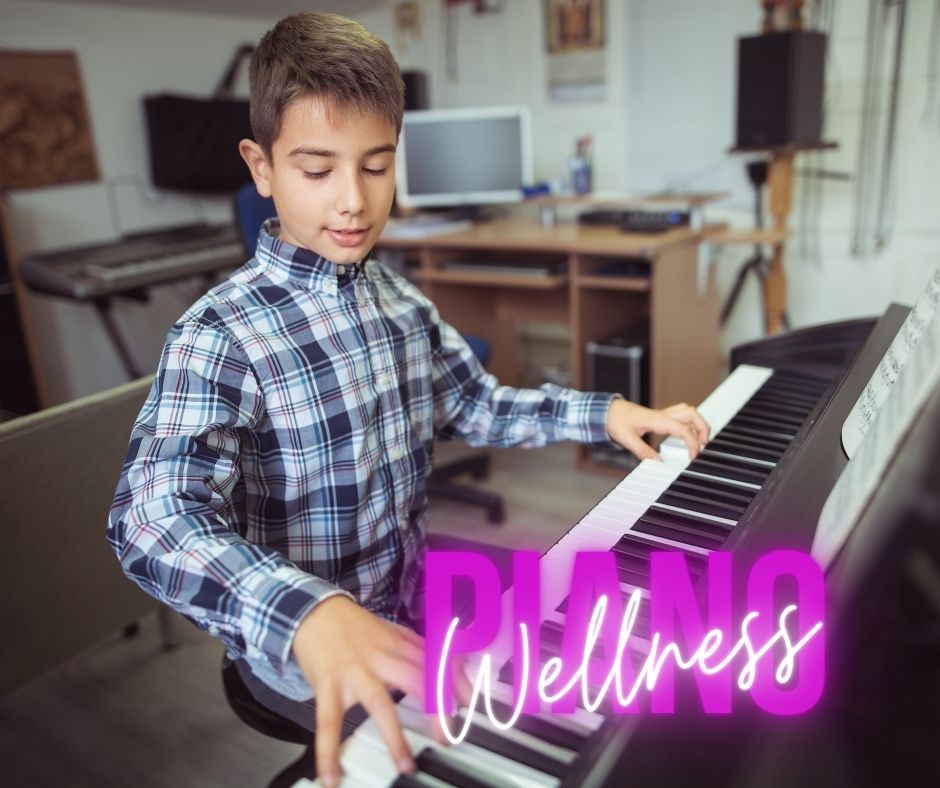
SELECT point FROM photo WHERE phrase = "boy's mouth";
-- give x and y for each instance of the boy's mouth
(349, 237)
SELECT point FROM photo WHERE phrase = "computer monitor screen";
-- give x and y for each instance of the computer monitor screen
(464, 156)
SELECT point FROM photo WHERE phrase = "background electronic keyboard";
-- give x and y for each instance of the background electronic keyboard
(134, 262)
(773, 457)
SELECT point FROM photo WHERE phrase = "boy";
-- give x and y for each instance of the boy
(273, 491)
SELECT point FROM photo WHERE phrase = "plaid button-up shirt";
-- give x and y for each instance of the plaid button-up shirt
(281, 455)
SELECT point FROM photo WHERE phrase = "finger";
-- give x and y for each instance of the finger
(378, 703)
(677, 429)
(398, 673)
(702, 430)
(641, 449)
(691, 415)
(412, 637)
(326, 742)
(408, 650)
(463, 689)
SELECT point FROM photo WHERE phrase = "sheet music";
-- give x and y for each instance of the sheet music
(876, 392)
(885, 433)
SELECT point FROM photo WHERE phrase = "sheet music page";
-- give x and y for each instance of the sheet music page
(918, 321)
(885, 433)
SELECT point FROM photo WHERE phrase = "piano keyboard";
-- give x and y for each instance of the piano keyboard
(676, 504)
(136, 262)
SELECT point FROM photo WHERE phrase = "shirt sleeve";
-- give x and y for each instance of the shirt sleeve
(469, 403)
(167, 523)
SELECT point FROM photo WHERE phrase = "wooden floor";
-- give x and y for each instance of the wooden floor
(128, 714)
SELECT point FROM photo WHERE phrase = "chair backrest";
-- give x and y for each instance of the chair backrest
(61, 586)
(251, 211)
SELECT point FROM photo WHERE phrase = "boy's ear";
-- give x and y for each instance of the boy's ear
(258, 165)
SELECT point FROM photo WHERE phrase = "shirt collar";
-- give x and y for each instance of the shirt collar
(303, 266)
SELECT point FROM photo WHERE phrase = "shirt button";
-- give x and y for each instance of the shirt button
(396, 454)
(341, 269)
(213, 630)
(404, 523)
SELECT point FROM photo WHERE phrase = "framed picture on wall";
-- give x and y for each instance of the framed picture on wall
(574, 25)
(45, 133)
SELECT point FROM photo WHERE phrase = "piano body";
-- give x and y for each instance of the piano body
(760, 485)
(128, 267)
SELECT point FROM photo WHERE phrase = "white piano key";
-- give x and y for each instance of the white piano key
(481, 719)
(470, 755)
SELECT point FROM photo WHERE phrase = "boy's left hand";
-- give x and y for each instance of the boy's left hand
(627, 422)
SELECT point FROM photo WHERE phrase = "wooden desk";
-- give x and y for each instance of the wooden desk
(683, 323)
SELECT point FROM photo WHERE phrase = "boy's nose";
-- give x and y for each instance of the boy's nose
(351, 197)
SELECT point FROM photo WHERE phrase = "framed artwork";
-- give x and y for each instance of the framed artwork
(45, 134)
(573, 25)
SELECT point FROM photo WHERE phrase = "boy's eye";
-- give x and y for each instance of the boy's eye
(316, 175)
(373, 171)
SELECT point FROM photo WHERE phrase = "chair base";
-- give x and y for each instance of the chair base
(439, 484)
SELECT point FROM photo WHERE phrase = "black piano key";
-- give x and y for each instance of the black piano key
(551, 634)
(769, 417)
(759, 441)
(698, 536)
(736, 428)
(412, 781)
(507, 674)
(732, 446)
(735, 461)
(633, 571)
(638, 549)
(780, 404)
(717, 466)
(786, 433)
(798, 387)
(437, 764)
(520, 753)
(669, 517)
(699, 503)
(542, 728)
(714, 490)
(605, 708)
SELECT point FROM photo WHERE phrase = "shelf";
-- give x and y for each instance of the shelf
(629, 283)
(764, 236)
(551, 282)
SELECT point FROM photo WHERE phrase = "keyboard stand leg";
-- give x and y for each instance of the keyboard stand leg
(103, 305)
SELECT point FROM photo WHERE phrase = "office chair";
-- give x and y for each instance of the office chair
(251, 211)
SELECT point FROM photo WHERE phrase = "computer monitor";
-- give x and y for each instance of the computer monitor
(454, 157)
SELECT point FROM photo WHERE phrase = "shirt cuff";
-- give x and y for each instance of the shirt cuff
(586, 416)
(275, 607)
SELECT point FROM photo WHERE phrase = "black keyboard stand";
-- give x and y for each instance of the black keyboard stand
(103, 308)
(758, 263)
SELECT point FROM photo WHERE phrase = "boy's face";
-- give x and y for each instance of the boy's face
(332, 177)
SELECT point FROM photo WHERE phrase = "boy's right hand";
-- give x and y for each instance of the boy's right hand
(349, 656)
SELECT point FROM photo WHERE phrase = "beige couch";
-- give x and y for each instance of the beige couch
(61, 587)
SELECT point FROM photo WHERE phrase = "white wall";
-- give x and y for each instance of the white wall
(123, 54)
(126, 53)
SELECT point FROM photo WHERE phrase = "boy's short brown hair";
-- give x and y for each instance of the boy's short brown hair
(323, 55)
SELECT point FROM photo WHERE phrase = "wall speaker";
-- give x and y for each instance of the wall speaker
(780, 88)
(416, 90)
